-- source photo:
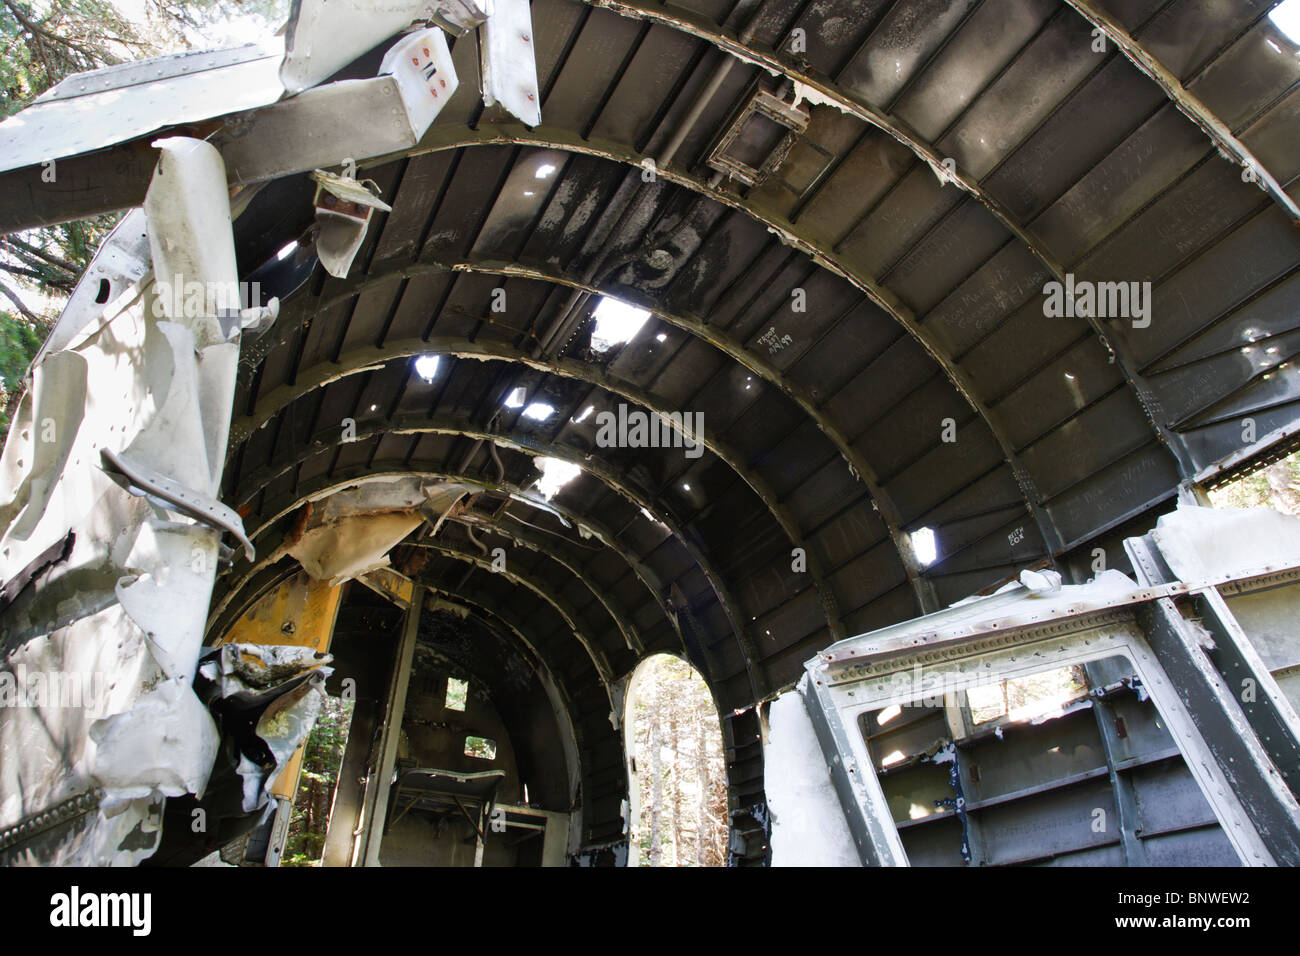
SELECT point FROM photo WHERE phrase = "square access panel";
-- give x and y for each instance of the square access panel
(758, 139)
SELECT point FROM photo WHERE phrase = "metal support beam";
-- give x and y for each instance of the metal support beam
(1187, 102)
(1239, 742)
(824, 90)
(419, 425)
(336, 291)
(1267, 708)
(546, 547)
(372, 674)
(366, 849)
(365, 359)
(1213, 708)
(1235, 662)
(876, 839)
(1121, 786)
(567, 611)
(450, 137)
(383, 470)
(690, 22)
(280, 828)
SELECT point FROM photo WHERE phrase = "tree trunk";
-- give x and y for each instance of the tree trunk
(703, 831)
(675, 770)
(656, 768)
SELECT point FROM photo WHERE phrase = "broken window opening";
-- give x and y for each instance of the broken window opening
(313, 803)
(1026, 698)
(1067, 765)
(556, 473)
(616, 323)
(426, 366)
(1286, 17)
(1275, 485)
(539, 411)
(677, 779)
(480, 747)
(457, 694)
(645, 513)
(925, 546)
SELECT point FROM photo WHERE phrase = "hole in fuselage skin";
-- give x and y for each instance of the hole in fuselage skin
(102, 296)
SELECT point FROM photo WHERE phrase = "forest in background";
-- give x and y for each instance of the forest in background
(680, 771)
(41, 44)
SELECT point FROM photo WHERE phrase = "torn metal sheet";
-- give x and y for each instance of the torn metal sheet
(106, 641)
(75, 833)
(134, 759)
(266, 699)
(323, 36)
(509, 62)
(343, 210)
(106, 287)
(426, 77)
(56, 553)
(352, 546)
(351, 532)
(808, 827)
(1213, 544)
(256, 668)
(460, 16)
(102, 108)
(93, 110)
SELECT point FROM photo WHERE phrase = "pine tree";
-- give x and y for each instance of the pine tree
(38, 48)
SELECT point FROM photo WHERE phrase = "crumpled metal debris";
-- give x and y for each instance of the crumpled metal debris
(120, 620)
(350, 533)
(343, 210)
(265, 699)
(164, 745)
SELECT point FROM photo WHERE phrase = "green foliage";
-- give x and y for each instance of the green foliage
(41, 43)
(457, 694)
(20, 340)
(322, 757)
(1276, 486)
(680, 782)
